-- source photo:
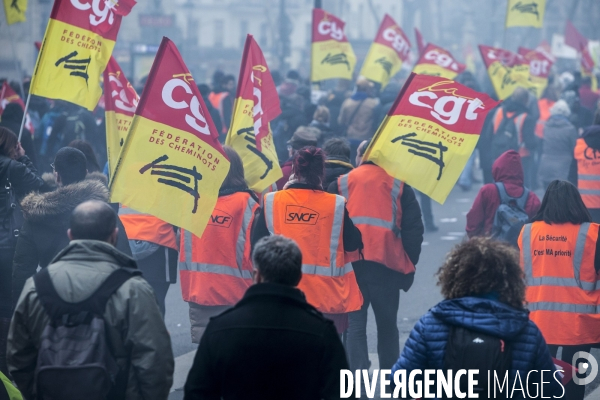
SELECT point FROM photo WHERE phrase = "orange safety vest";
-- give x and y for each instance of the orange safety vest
(216, 269)
(588, 173)
(562, 285)
(374, 205)
(140, 226)
(315, 221)
(544, 106)
(216, 99)
(519, 121)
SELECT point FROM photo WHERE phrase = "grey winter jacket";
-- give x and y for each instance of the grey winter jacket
(557, 151)
(135, 327)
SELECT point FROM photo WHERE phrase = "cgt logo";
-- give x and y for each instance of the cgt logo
(397, 41)
(330, 28)
(300, 215)
(220, 219)
(119, 93)
(442, 59)
(196, 119)
(100, 9)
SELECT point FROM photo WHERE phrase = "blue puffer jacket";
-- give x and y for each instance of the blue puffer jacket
(426, 346)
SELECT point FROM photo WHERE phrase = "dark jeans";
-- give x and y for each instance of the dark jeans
(380, 289)
(572, 391)
(156, 270)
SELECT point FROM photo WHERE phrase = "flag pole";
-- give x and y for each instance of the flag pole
(24, 116)
(17, 66)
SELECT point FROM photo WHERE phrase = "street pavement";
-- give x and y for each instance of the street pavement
(450, 218)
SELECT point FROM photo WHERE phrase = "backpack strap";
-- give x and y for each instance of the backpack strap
(522, 201)
(56, 307)
(504, 197)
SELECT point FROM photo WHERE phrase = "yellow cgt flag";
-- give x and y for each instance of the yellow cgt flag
(507, 71)
(256, 105)
(387, 53)
(77, 45)
(430, 133)
(331, 53)
(525, 13)
(15, 11)
(172, 164)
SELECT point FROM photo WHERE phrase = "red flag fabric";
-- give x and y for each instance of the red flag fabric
(574, 38)
(38, 45)
(539, 62)
(568, 370)
(437, 61)
(420, 42)
(7, 96)
(256, 84)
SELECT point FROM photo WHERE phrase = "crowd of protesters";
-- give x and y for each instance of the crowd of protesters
(55, 215)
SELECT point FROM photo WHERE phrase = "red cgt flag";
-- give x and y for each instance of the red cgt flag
(172, 164)
(420, 41)
(256, 105)
(574, 38)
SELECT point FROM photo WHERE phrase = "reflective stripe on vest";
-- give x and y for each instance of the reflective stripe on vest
(336, 235)
(190, 265)
(378, 222)
(557, 281)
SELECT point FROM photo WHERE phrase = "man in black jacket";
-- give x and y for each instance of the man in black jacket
(44, 232)
(272, 344)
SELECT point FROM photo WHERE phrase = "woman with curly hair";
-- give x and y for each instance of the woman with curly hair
(484, 290)
(561, 260)
(319, 223)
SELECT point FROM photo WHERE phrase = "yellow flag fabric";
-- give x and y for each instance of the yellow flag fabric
(78, 43)
(525, 13)
(436, 61)
(261, 167)
(390, 48)
(172, 164)
(256, 105)
(15, 11)
(429, 134)
(332, 55)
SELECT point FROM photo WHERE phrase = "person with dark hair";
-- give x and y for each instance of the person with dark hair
(389, 218)
(46, 215)
(558, 144)
(11, 119)
(507, 171)
(304, 136)
(18, 177)
(320, 224)
(135, 333)
(482, 319)
(90, 157)
(273, 332)
(216, 269)
(561, 260)
(587, 150)
(337, 163)
(222, 98)
(214, 113)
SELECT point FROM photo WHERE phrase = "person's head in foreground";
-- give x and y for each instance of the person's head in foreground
(308, 166)
(483, 267)
(93, 220)
(277, 259)
(562, 204)
(70, 166)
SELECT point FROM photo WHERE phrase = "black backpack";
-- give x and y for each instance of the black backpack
(74, 360)
(467, 349)
(506, 136)
(510, 216)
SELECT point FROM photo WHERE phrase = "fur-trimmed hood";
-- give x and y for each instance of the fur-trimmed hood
(48, 207)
